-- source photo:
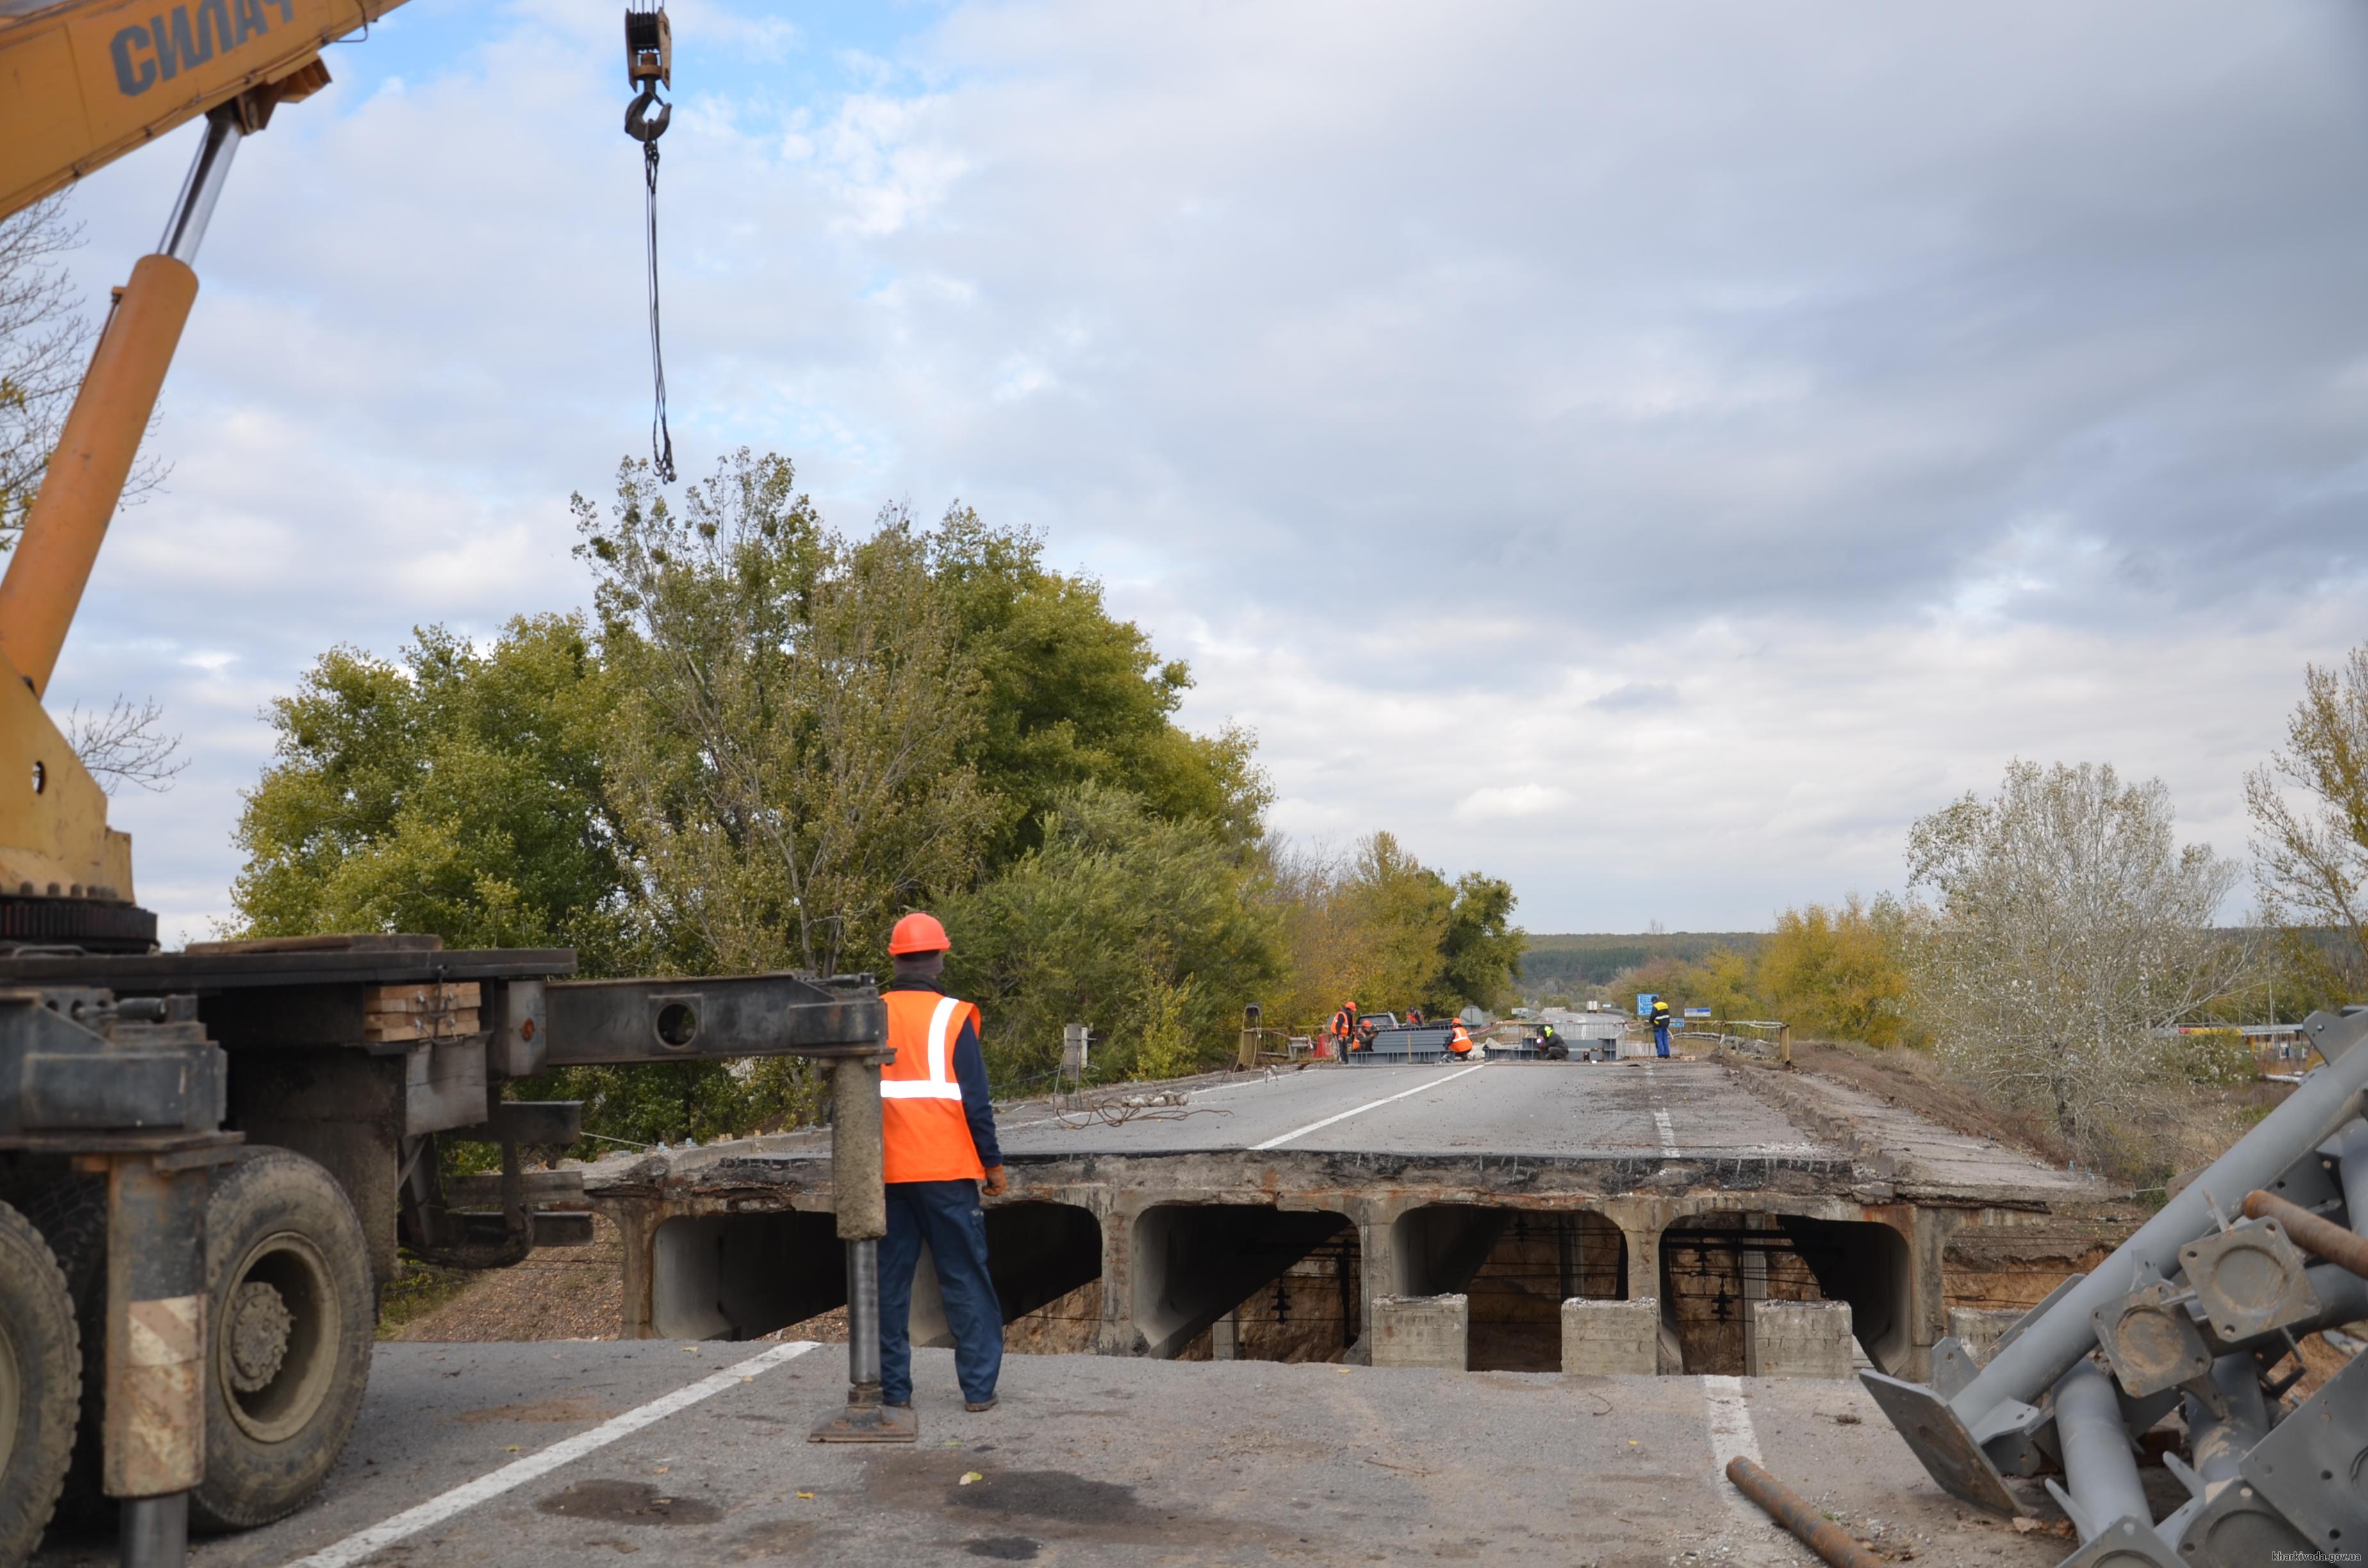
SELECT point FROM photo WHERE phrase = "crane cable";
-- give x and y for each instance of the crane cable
(649, 62)
(661, 438)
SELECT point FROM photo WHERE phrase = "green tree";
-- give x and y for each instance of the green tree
(1152, 931)
(2309, 806)
(792, 706)
(456, 793)
(2071, 930)
(1072, 696)
(1840, 973)
(1480, 951)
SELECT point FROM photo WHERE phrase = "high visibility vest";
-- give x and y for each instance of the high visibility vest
(925, 1135)
(1460, 1042)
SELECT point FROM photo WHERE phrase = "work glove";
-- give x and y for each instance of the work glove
(996, 1181)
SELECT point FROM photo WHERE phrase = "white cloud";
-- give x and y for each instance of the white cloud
(1749, 428)
(1499, 802)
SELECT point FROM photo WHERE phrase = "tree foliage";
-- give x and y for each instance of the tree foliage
(44, 343)
(791, 709)
(1070, 696)
(771, 738)
(2309, 808)
(2069, 929)
(456, 792)
(1840, 972)
(1152, 931)
(1382, 929)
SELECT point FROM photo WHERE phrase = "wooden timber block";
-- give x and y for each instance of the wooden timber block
(387, 1027)
(422, 998)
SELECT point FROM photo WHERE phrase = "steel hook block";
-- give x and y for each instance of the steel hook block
(642, 125)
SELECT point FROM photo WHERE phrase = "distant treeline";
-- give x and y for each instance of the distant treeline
(1582, 959)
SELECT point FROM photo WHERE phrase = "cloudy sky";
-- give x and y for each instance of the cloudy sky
(1649, 452)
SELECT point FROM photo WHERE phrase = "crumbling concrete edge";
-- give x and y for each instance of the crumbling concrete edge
(1767, 1085)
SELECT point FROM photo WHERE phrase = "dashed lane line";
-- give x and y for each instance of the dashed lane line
(1660, 1116)
(1360, 1110)
(436, 1510)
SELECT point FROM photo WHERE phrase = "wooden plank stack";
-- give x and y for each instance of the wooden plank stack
(396, 1013)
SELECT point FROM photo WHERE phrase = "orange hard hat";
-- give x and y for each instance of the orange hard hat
(917, 933)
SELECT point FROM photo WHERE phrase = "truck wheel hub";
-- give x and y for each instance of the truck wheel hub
(260, 1324)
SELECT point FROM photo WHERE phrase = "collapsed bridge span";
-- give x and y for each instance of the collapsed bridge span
(1263, 1217)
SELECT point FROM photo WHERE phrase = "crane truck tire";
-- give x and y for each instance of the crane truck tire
(291, 1309)
(41, 1386)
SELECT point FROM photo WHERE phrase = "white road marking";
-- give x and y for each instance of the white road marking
(1731, 1438)
(1660, 1117)
(1360, 1110)
(1730, 1422)
(436, 1510)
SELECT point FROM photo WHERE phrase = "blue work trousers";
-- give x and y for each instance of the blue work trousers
(947, 1217)
(1661, 1038)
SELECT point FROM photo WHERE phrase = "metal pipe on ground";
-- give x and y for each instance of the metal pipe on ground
(2219, 1444)
(2099, 1468)
(1787, 1508)
(1959, 1439)
(2349, 1249)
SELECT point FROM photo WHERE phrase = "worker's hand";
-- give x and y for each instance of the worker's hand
(996, 1181)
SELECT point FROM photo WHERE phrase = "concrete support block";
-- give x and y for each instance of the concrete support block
(1611, 1339)
(1978, 1328)
(1422, 1331)
(1803, 1339)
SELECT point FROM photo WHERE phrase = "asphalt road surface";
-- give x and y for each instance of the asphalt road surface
(1610, 1110)
(518, 1454)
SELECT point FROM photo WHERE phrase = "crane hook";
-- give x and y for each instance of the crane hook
(640, 124)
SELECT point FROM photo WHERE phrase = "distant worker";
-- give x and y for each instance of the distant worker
(1344, 1030)
(1459, 1042)
(1660, 1027)
(1414, 1017)
(1550, 1045)
(938, 1149)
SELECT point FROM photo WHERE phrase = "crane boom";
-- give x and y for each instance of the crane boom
(84, 82)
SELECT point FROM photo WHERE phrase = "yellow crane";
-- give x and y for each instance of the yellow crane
(82, 84)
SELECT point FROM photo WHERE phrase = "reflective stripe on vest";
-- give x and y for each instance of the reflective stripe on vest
(940, 1083)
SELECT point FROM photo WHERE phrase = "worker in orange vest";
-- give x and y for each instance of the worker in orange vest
(1459, 1043)
(938, 1151)
(1344, 1030)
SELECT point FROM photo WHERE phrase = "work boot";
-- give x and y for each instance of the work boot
(977, 1406)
